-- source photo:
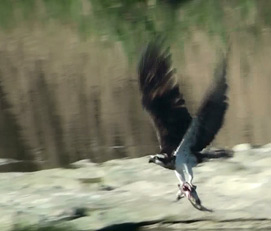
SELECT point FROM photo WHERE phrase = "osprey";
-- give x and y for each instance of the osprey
(181, 137)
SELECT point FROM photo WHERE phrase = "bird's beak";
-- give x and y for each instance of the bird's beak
(151, 160)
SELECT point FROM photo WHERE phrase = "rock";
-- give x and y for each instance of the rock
(71, 214)
(133, 193)
(83, 164)
(12, 165)
(106, 187)
(267, 146)
(241, 147)
(90, 180)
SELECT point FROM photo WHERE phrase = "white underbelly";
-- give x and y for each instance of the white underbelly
(184, 164)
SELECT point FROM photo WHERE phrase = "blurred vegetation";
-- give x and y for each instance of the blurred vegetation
(132, 21)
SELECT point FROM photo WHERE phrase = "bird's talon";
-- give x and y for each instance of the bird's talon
(180, 196)
(191, 186)
(180, 193)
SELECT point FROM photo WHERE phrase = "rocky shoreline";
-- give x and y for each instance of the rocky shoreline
(131, 193)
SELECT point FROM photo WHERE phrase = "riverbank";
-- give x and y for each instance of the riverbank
(91, 196)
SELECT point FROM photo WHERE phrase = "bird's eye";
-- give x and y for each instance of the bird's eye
(161, 159)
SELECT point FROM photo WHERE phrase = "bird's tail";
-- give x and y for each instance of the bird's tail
(207, 155)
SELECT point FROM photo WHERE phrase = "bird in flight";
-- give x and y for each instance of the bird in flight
(181, 137)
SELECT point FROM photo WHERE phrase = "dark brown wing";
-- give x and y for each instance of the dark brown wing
(161, 96)
(210, 115)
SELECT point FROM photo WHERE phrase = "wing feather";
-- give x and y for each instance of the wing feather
(210, 115)
(161, 96)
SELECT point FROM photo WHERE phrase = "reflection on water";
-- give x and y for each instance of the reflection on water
(64, 96)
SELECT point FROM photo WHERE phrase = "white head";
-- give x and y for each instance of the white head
(163, 160)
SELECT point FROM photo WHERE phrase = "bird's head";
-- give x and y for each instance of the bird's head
(163, 160)
(157, 159)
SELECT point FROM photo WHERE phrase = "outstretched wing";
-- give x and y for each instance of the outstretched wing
(161, 96)
(210, 115)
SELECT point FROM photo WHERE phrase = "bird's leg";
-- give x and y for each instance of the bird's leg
(189, 183)
(180, 194)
